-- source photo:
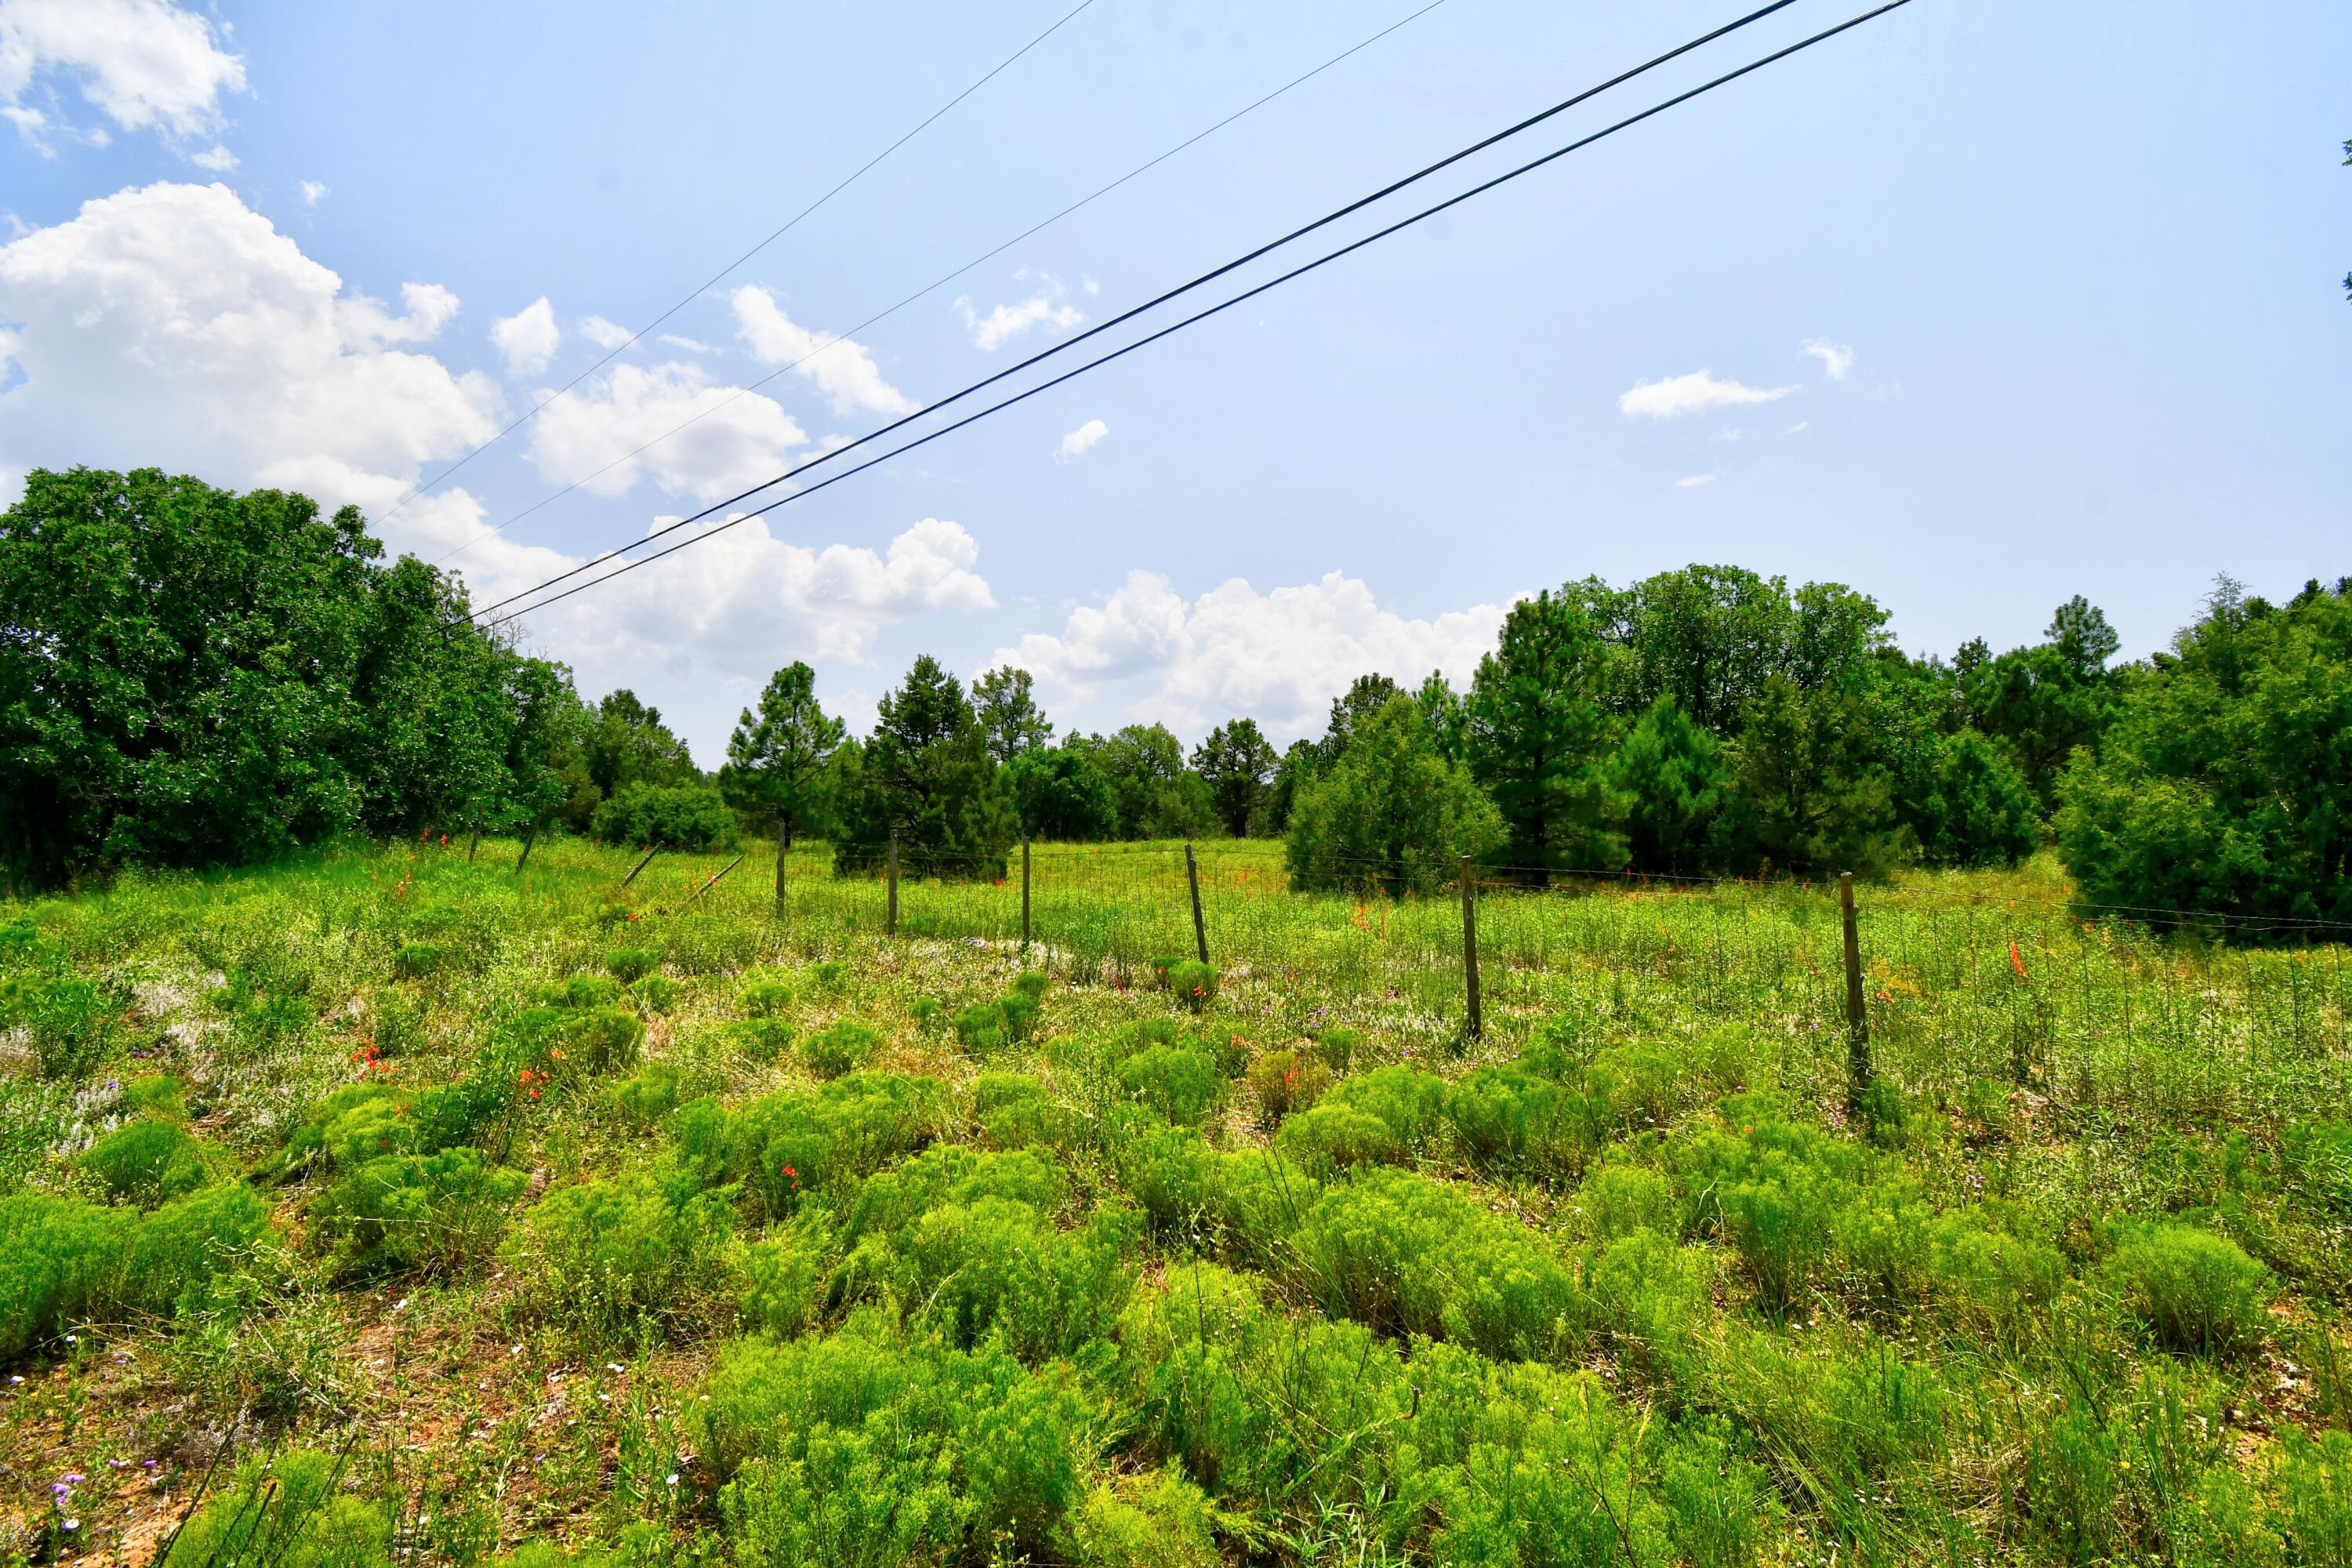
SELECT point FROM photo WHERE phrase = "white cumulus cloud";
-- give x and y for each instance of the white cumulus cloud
(1005, 323)
(528, 339)
(1836, 358)
(687, 345)
(604, 334)
(1080, 441)
(141, 63)
(840, 368)
(171, 325)
(1674, 396)
(732, 438)
(313, 193)
(1277, 656)
(1693, 481)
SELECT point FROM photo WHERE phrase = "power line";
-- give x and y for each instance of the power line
(1205, 277)
(524, 418)
(945, 278)
(1154, 337)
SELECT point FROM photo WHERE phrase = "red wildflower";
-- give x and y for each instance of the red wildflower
(2017, 961)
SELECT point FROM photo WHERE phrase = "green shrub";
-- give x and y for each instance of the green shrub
(1338, 1048)
(74, 1024)
(1020, 1009)
(1619, 1199)
(783, 1278)
(650, 1094)
(1159, 1520)
(1406, 1254)
(162, 1095)
(890, 1201)
(2188, 1290)
(147, 1162)
(289, 1511)
(656, 993)
(1284, 1082)
(1510, 1118)
(675, 817)
(1179, 1082)
(1383, 1115)
(1016, 1111)
(1192, 983)
(583, 992)
(422, 1212)
(568, 1044)
(616, 1258)
(982, 1029)
(829, 974)
(843, 1046)
(1033, 984)
(1994, 1285)
(850, 1449)
(2315, 1485)
(785, 1146)
(63, 1261)
(1772, 1190)
(630, 965)
(765, 999)
(417, 961)
(1169, 1171)
(2319, 1154)
(996, 1265)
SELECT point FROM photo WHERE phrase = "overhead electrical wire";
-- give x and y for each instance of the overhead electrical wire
(1157, 300)
(944, 278)
(485, 616)
(851, 178)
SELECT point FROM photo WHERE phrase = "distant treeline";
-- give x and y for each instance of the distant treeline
(191, 677)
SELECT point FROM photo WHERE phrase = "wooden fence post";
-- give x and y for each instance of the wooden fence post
(1470, 947)
(712, 880)
(651, 851)
(476, 846)
(1200, 927)
(783, 846)
(1024, 897)
(529, 839)
(1857, 1023)
(890, 919)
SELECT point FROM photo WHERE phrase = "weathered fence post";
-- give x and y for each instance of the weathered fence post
(782, 846)
(476, 846)
(712, 880)
(1470, 947)
(651, 851)
(1024, 896)
(891, 916)
(1857, 1023)
(529, 839)
(1200, 927)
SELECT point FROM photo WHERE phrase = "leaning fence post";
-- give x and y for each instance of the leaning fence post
(712, 880)
(1857, 1024)
(529, 839)
(1200, 927)
(1470, 947)
(651, 851)
(890, 918)
(1024, 896)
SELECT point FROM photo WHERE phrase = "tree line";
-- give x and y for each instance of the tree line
(192, 677)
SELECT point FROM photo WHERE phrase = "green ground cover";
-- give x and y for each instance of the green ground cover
(389, 1207)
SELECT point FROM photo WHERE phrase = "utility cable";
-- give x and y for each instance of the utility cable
(945, 278)
(1205, 277)
(524, 418)
(1121, 353)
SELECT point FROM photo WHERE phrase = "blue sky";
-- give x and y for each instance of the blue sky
(2070, 277)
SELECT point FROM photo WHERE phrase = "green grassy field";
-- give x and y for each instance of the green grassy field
(389, 1207)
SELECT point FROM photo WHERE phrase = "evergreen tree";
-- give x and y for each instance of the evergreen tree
(1236, 761)
(1365, 695)
(1449, 720)
(1392, 815)
(1677, 787)
(1005, 702)
(925, 779)
(776, 761)
(1540, 738)
(1977, 810)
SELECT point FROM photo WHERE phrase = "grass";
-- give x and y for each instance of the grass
(385, 1207)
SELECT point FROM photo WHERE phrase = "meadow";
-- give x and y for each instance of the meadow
(392, 1206)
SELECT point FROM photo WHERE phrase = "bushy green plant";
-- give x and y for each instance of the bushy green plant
(785, 1146)
(656, 993)
(765, 998)
(583, 992)
(62, 1259)
(1014, 1111)
(1771, 1189)
(1159, 1520)
(1619, 1198)
(1283, 1081)
(148, 1162)
(616, 1258)
(630, 965)
(1179, 1082)
(675, 817)
(1192, 983)
(1386, 1114)
(418, 960)
(287, 1510)
(982, 1029)
(842, 1047)
(422, 1212)
(648, 1094)
(2188, 1290)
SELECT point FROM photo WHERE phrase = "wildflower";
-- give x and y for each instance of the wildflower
(673, 1478)
(2017, 961)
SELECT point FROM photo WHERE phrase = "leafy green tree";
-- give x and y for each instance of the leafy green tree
(1006, 704)
(1391, 815)
(2041, 702)
(1236, 761)
(1678, 790)
(2225, 781)
(675, 816)
(546, 776)
(926, 778)
(1298, 767)
(1541, 737)
(1707, 636)
(776, 761)
(1816, 792)
(1976, 809)
(194, 677)
(1159, 796)
(1365, 695)
(1061, 793)
(1449, 719)
(627, 743)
